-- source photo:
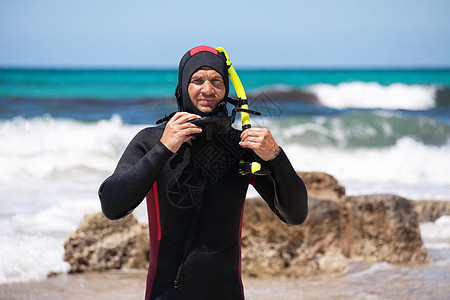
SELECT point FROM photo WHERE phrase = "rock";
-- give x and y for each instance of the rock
(382, 228)
(322, 186)
(267, 101)
(334, 261)
(100, 244)
(373, 228)
(430, 211)
(270, 247)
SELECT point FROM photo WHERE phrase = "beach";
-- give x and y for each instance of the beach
(62, 133)
(363, 281)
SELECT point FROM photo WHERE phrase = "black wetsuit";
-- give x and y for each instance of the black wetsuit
(195, 201)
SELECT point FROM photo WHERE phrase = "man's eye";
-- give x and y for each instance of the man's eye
(197, 81)
(218, 82)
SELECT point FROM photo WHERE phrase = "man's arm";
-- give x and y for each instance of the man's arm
(134, 175)
(283, 190)
(142, 161)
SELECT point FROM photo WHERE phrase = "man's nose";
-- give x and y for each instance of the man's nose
(207, 87)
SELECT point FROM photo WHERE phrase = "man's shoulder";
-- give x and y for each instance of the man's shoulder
(152, 130)
(150, 134)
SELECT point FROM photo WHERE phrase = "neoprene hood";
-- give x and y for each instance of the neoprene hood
(201, 56)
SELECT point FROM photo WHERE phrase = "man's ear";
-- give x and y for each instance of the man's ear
(178, 96)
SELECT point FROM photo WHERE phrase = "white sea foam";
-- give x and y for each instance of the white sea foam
(30, 257)
(50, 173)
(33, 240)
(42, 147)
(51, 170)
(436, 235)
(369, 95)
(408, 168)
(374, 268)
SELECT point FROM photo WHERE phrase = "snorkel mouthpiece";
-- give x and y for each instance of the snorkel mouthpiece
(214, 125)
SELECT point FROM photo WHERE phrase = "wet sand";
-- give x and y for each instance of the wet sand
(363, 281)
(108, 285)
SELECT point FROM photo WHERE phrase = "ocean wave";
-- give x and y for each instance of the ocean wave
(30, 257)
(373, 269)
(408, 168)
(33, 241)
(132, 110)
(359, 129)
(360, 95)
(370, 95)
(382, 149)
(42, 147)
(436, 235)
(402, 163)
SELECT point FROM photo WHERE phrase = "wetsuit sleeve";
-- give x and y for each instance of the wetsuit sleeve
(134, 175)
(283, 190)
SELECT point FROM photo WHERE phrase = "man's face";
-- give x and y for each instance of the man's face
(206, 89)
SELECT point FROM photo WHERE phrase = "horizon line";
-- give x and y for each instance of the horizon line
(243, 68)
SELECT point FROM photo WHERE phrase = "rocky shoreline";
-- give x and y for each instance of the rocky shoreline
(330, 256)
(369, 228)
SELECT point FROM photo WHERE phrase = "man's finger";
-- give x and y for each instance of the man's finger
(183, 117)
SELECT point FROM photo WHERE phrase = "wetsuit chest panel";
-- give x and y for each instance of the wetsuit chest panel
(219, 224)
(202, 179)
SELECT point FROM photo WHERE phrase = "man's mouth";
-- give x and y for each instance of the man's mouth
(206, 100)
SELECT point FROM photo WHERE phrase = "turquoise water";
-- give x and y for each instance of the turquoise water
(349, 108)
(132, 84)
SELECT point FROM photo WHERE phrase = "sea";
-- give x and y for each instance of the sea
(62, 132)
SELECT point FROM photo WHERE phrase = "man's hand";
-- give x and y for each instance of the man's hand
(261, 141)
(179, 130)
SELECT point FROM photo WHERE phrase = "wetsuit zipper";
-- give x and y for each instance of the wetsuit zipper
(177, 281)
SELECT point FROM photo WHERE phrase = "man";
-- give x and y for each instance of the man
(195, 192)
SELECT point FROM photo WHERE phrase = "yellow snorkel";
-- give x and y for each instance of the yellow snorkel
(240, 92)
(255, 167)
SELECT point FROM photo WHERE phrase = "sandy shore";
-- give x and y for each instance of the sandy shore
(363, 281)
(108, 285)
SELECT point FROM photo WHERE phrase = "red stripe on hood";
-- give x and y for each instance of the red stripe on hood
(203, 48)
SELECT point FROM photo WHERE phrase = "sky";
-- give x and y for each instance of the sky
(256, 34)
